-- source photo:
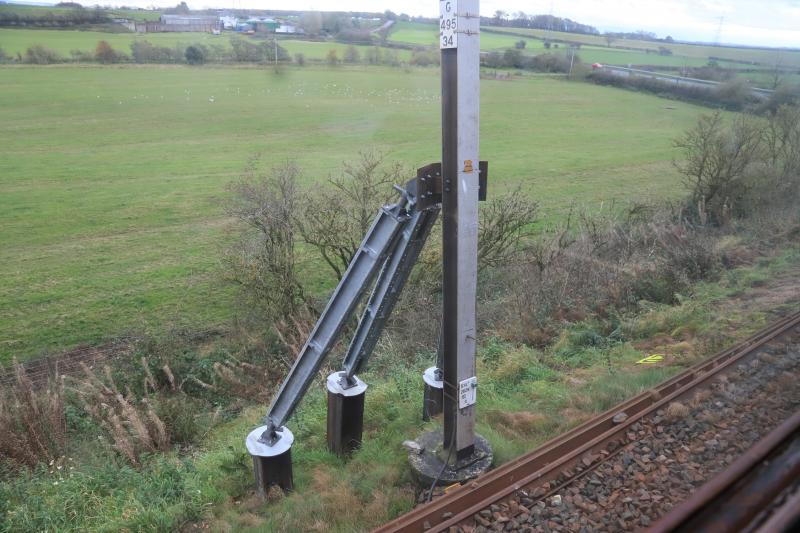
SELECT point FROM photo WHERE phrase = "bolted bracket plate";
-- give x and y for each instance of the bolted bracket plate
(429, 184)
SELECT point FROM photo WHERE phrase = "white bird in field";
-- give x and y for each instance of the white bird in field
(211, 99)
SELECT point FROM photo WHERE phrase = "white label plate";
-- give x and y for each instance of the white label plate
(467, 391)
(448, 38)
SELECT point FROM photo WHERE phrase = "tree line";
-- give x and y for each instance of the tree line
(75, 16)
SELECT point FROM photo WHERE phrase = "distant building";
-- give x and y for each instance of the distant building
(228, 22)
(288, 29)
(263, 25)
(189, 23)
(176, 23)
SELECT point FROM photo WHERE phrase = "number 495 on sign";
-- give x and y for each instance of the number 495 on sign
(447, 23)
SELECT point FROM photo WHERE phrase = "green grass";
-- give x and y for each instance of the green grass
(767, 56)
(422, 34)
(112, 178)
(40, 11)
(15, 41)
(526, 397)
(595, 49)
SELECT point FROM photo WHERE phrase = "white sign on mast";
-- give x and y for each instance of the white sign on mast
(448, 38)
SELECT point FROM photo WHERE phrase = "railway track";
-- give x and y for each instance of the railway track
(629, 467)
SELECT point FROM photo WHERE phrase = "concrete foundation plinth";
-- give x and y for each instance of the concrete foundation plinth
(272, 464)
(427, 463)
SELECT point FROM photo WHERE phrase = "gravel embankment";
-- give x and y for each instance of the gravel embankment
(668, 456)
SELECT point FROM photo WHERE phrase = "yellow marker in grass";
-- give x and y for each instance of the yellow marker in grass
(651, 360)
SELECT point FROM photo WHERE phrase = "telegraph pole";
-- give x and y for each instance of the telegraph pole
(460, 48)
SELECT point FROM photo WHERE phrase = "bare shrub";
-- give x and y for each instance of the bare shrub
(133, 424)
(782, 141)
(262, 259)
(336, 217)
(41, 55)
(598, 265)
(32, 421)
(505, 221)
(734, 94)
(717, 159)
(104, 53)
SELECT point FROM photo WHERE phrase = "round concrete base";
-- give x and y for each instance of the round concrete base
(426, 463)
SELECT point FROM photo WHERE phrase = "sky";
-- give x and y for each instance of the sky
(751, 22)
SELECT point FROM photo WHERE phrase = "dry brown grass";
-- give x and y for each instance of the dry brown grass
(133, 425)
(676, 410)
(32, 421)
(244, 380)
(518, 424)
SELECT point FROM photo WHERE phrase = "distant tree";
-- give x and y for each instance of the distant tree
(493, 60)
(390, 58)
(333, 23)
(777, 71)
(512, 58)
(609, 39)
(145, 52)
(520, 45)
(311, 22)
(547, 45)
(40, 55)
(104, 53)
(351, 55)
(73, 5)
(389, 15)
(81, 56)
(669, 39)
(300, 59)
(664, 51)
(246, 51)
(499, 16)
(182, 8)
(332, 58)
(424, 58)
(354, 36)
(195, 55)
(373, 56)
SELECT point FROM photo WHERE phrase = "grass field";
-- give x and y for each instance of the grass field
(764, 56)
(111, 178)
(15, 41)
(40, 11)
(594, 47)
(422, 34)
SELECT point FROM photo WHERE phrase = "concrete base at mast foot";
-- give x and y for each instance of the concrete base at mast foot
(427, 462)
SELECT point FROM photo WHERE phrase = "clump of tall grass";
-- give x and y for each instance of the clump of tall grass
(32, 422)
(133, 424)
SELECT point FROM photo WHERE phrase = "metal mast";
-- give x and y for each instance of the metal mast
(460, 44)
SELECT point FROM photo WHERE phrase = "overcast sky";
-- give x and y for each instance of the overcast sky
(753, 22)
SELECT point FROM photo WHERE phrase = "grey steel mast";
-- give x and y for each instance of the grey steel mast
(460, 44)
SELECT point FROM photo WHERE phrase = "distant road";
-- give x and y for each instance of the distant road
(678, 80)
(386, 25)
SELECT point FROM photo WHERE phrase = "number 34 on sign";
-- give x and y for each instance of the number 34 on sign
(447, 24)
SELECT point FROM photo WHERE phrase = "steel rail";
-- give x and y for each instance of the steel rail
(786, 518)
(546, 462)
(735, 497)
